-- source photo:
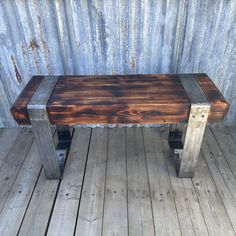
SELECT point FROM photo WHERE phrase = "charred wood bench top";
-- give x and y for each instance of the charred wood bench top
(115, 100)
(119, 99)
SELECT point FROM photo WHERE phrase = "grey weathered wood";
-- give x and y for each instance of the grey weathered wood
(205, 204)
(222, 175)
(40, 207)
(140, 214)
(115, 219)
(163, 204)
(232, 131)
(64, 214)
(91, 205)
(215, 215)
(41, 203)
(221, 162)
(227, 146)
(13, 162)
(188, 208)
(7, 139)
(41, 128)
(197, 121)
(19, 196)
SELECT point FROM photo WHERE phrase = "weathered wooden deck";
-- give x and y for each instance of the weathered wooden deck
(118, 181)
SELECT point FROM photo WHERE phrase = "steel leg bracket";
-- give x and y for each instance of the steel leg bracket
(63, 145)
(52, 157)
(186, 155)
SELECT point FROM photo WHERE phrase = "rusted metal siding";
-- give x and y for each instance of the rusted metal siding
(111, 37)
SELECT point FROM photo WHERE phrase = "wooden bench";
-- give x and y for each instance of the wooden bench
(66, 101)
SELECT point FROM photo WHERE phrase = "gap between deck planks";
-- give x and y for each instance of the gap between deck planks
(119, 181)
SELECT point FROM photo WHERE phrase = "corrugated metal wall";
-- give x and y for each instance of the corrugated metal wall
(112, 37)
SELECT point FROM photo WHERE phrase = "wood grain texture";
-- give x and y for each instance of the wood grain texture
(90, 217)
(115, 215)
(64, 214)
(221, 173)
(10, 168)
(219, 106)
(205, 205)
(162, 196)
(214, 213)
(188, 208)
(7, 139)
(19, 195)
(19, 108)
(120, 99)
(40, 207)
(140, 214)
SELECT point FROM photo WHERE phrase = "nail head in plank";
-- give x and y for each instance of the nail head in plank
(64, 214)
(162, 196)
(90, 215)
(115, 219)
(187, 205)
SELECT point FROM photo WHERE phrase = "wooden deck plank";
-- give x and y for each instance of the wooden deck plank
(227, 146)
(115, 219)
(188, 208)
(221, 174)
(140, 214)
(40, 207)
(64, 214)
(7, 139)
(232, 131)
(164, 209)
(19, 196)
(91, 205)
(221, 162)
(201, 206)
(214, 212)
(13, 162)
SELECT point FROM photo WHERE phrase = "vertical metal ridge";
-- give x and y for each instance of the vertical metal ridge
(100, 37)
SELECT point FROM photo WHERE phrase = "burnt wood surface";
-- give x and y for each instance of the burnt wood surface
(119, 99)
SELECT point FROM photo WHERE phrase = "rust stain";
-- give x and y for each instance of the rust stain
(33, 45)
(132, 63)
(45, 46)
(39, 19)
(23, 49)
(18, 76)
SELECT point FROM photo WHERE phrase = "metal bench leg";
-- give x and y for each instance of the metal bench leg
(186, 155)
(45, 143)
(175, 140)
(63, 145)
(37, 110)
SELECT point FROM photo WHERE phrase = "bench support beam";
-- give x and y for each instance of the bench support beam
(186, 155)
(52, 156)
(63, 145)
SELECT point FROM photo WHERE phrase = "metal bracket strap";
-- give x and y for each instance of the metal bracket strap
(186, 157)
(53, 162)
